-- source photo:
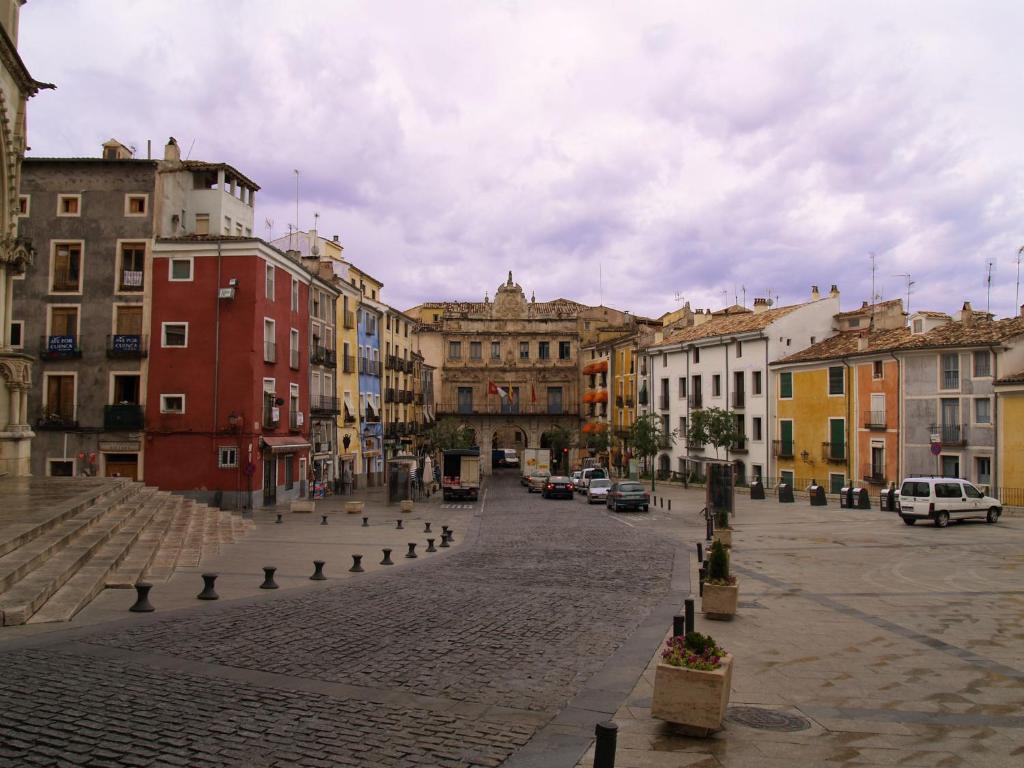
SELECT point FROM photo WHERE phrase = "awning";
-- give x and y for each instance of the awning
(349, 410)
(284, 444)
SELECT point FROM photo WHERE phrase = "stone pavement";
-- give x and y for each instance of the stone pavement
(515, 642)
(894, 645)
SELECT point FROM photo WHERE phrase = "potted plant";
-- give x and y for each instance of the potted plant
(721, 591)
(723, 532)
(691, 684)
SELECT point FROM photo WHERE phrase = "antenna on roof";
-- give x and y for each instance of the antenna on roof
(744, 295)
(269, 224)
(600, 285)
(1016, 301)
(990, 265)
(296, 199)
(189, 153)
(910, 284)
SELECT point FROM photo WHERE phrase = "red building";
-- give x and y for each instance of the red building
(229, 371)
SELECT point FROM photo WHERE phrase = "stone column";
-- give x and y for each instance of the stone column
(14, 409)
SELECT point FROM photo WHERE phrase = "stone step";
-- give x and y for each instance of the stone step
(166, 558)
(90, 579)
(210, 545)
(15, 565)
(22, 600)
(192, 547)
(146, 547)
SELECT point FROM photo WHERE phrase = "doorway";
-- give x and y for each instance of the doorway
(121, 465)
(269, 480)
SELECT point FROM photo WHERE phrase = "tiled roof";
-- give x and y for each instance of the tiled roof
(931, 313)
(201, 165)
(1016, 378)
(882, 305)
(724, 325)
(846, 344)
(979, 332)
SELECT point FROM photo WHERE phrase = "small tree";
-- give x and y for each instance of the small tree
(598, 442)
(718, 564)
(559, 440)
(715, 427)
(448, 434)
(647, 437)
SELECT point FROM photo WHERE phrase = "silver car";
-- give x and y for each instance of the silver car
(597, 491)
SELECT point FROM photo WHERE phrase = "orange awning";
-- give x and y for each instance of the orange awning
(588, 397)
(601, 397)
(600, 366)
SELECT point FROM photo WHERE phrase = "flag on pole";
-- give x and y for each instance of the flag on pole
(533, 394)
(494, 389)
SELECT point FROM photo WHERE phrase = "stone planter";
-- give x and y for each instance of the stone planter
(692, 699)
(406, 505)
(353, 507)
(723, 535)
(719, 600)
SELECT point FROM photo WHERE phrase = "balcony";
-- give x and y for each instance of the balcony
(320, 355)
(696, 401)
(59, 347)
(877, 477)
(293, 359)
(323, 447)
(269, 352)
(271, 412)
(629, 402)
(740, 446)
(663, 403)
(130, 280)
(123, 417)
(369, 417)
(389, 363)
(67, 281)
(418, 398)
(324, 404)
(874, 420)
(57, 419)
(833, 452)
(951, 379)
(125, 346)
(496, 408)
(348, 364)
(389, 395)
(349, 319)
(739, 398)
(952, 434)
(783, 449)
(620, 401)
(294, 421)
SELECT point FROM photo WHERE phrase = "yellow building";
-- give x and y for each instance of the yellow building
(1010, 447)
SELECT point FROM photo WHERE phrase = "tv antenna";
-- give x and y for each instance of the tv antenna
(989, 267)
(910, 285)
(1016, 301)
(269, 224)
(679, 298)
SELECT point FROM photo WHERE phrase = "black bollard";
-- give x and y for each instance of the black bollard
(688, 610)
(398, 524)
(268, 577)
(208, 592)
(444, 530)
(661, 502)
(700, 552)
(412, 550)
(357, 564)
(323, 520)
(451, 535)
(430, 546)
(670, 505)
(318, 571)
(444, 541)
(387, 557)
(366, 523)
(604, 748)
(142, 604)
(426, 527)
(678, 625)
(280, 518)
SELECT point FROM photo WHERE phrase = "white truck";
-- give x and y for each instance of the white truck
(535, 460)
(460, 475)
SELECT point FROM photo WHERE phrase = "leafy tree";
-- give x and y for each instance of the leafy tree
(559, 439)
(715, 427)
(647, 437)
(598, 442)
(448, 434)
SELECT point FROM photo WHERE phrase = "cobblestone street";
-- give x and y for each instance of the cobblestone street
(457, 662)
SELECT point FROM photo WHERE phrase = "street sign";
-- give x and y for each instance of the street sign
(936, 449)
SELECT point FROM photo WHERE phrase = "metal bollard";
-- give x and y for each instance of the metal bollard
(430, 546)
(208, 592)
(323, 521)
(387, 557)
(268, 577)
(661, 502)
(318, 571)
(444, 541)
(357, 564)
(412, 550)
(451, 535)
(688, 610)
(444, 529)
(678, 625)
(700, 552)
(366, 523)
(280, 518)
(670, 505)
(142, 604)
(426, 527)
(604, 748)
(398, 524)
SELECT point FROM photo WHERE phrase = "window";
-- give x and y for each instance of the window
(202, 224)
(918, 326)
(293, 406)
(854, 322)
(982, 411)
(180, 270)
(739, 349)
(61, 467)
(24, 205)
(238, 229)
(682, 426)
(786, 385)
(696, 355)
(60, 397)
(495, 350)
(716, 385)
(289, 471)
(127, 389)
(293, 349)
(63, 323)
(174, 334)
(172, 403)
(786, 476)
(543, 350)
(227, 456)
(876, 369)
(133, 265)
(454, 350)
(17, 334)
(982, 363)
(66, 271)
(983, 470)
(950, 366)
(475, 350)
(136, 205)
(837, 439)
(69, 205)
(524, 350)
(564, 350)
(755, 428)
(836, 380)
(836, 482)
(682, 387)
(554, 400)
(756, 382)
(270, 282)
(295, 295)
(227, 225)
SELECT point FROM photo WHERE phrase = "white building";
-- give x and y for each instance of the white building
(722, 362)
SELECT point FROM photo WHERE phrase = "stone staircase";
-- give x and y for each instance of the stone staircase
(120, 534)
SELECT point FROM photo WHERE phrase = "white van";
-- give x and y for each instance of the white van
(941, 499)
(590, 472)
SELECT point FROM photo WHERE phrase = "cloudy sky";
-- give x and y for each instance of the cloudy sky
(632, 151)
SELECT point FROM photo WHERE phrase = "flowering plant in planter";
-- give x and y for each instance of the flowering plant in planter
(718, 566)
(693, 651)
(721, 589)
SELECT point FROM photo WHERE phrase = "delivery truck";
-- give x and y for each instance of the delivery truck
(460, 474)
(535, 460)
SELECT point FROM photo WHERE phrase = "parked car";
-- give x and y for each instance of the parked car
(941, 499)
(627, 494)
(558, 486)
(537, 481)
(598, 489)
(575, 476)
(590, 473)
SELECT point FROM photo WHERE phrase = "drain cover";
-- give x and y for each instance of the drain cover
(767, 719)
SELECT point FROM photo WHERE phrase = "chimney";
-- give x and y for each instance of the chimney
(760, 305)
(1022, 310)
(864, 305)
(172, 152)
(335, 238)
(862, 342)
(833, 291)
(814, 293)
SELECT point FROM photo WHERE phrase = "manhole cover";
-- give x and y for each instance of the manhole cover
(749, 604)
(767, 719)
